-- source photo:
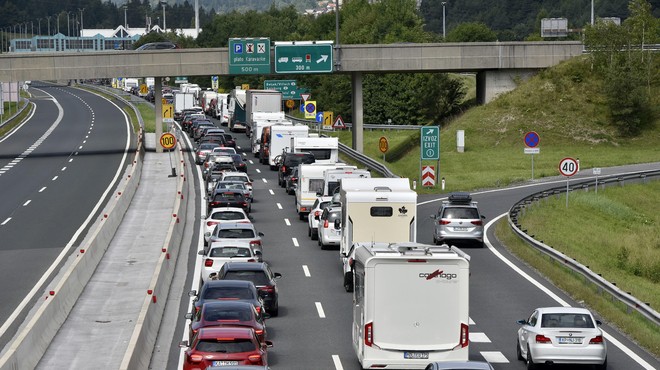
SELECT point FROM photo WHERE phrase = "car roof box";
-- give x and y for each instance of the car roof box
(460, 198)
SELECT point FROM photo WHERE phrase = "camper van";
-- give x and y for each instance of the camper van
(221, 107)
(410, 305)
(310, 181)
(332, 179)
(375, 210)
(324, 149)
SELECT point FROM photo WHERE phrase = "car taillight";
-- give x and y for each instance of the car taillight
(317, 213)
(268, 289)
(465, 336)
(542, 339)
(196, 358)
(596, 340)
(252, 260)
(294, 179)
(244, 204)
(369, 334)
(211, 223)
(325, 224)
(259, 331)
(258, 309)
(443, 222)
(208, 262)
(283, 168)
(255, 243)
(255, 359)
(477, 222)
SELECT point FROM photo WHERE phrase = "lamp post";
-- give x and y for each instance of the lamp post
(39, 26)
(443, 20)
(82, 26)
(68, 24)
(592, 12)
(163, 4)
(48, 18)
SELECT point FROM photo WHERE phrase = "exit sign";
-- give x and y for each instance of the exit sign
(430, 143)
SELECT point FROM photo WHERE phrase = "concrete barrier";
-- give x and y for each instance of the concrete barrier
(142, 342)
(35, 335)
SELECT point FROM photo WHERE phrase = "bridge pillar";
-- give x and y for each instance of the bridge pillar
(158, 103)
(358, 127)
(492, 83)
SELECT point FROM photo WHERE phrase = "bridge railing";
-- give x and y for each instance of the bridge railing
(632, 303)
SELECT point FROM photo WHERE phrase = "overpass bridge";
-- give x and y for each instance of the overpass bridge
(497, 64)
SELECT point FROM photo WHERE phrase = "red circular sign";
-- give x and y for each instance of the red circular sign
(568, 167)
(532, 139)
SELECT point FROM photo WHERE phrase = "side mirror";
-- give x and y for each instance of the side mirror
(521, 322)
(257, 253)
(192, 293)
(183, 344)
(483, 217)
(213, 276)
(277, 275)
(337, 224)
(316, 217)
(432, 217)
(258, 141)
(201, 252)
(261, 234)
(319, 193)
(269, 344)
(188, 316)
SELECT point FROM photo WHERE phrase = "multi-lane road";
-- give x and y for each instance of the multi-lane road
(56, 171)
(313, 330)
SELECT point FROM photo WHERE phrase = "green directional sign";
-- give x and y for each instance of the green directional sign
(288, 88)
(303, 58)
(430, 143)
(249, 56)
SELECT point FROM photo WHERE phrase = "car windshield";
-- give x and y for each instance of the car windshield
(236, 233)
(228, 293)
(233, 314)
(230, 252)
(236, 345)
(227, 215)
(257, 277)
(461, 213)
(566, 320)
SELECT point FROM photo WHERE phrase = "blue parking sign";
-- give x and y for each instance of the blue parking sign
(238, 48)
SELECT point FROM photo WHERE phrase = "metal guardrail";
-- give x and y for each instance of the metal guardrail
(19, 111)
(626, 298)
(368, 162)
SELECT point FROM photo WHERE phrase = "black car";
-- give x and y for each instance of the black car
(258, 273)
(291, 182)
(227, 289)
(288, 161)
(239, 162)
(228, 199)
(230, 140)
(163, 45)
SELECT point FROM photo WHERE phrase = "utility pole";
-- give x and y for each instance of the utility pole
(443, 20)
(82, 26)
(163, 4)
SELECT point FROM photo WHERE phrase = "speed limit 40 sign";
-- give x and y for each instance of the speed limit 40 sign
(568, 167)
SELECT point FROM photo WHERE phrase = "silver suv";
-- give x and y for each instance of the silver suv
(458, 219)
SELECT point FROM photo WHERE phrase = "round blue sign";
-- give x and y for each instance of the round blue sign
(532, 139)
(310, 107)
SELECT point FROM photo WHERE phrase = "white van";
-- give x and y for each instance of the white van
(410, 305)
(375, 210)
(310, 181)
(324, 149)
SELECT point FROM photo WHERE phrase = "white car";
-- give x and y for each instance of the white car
(314, 214)
(328, 233)
(227, 251)
(225, 150)
(223, 214)
(561, 335)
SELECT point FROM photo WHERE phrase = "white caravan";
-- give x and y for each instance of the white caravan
(310, 181)
(410, 305)
(260, 121)
(222, 109)
(332, 179)
(375, 210)
(324, 149)
(280, 140)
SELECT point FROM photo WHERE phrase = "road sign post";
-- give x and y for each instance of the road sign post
(168, 141)
(249, 56)
(532, 140)
(303, 57)
(383, 145)
(429, 146)
(568, 167)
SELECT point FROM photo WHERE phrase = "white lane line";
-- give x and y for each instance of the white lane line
(271, 191)
(76, 153)
(479, 337)
(279, 206)
(306, 271)
(319, 308)
(494, 357)
(5, 221)
(63, 168)
(54, 178)
(84, 141)
(337, 361)
(258, 170)
(26, 203)
(295, 242)
(472, 322)
(42, 189)
(265, 181)
(249, 160)
(70, 160)
(80, 147)
(287, 222)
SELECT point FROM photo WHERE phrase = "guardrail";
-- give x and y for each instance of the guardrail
(368, 162)
(631, 302)
(19, 111)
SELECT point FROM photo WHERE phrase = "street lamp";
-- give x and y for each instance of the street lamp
(443, 20)
(39, 26)
(163, 4)
(48, 25)
(68, 25)
(82, 26)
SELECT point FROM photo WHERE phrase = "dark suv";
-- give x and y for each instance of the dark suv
(458, 219)
(288, 161)
(258, 273)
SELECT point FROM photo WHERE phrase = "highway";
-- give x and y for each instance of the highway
(56, 171)
(313, 328)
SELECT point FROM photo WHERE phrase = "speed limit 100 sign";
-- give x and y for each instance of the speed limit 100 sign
(568, 167)
(168, 141)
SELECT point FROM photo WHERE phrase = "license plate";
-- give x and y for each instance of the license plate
(416, 355)
(569, 340)
(225, 363)
(460, 229)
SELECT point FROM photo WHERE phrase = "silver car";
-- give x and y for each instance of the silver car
(315, 214)
(561, 335)
(458, 219)
(329, 234)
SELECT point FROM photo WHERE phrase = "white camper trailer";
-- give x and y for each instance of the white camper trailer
(410, 305)
(332, 179)
(280, 139)
(310, 181)
(324, 149)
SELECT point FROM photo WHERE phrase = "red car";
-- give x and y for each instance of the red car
(232, 313)
(225, 346)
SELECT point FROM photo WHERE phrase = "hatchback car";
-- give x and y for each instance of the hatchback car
(239, 162)
(228, 313)
(288, 161)
(315, 214)
(328, 233)
(221, 252)
(226, 215)
(228, 198)
(226, 290)
(561, 335)
(225, 346)
(458, 219)
(240, 231)
(258, 273)
(291, 182)
(202, 150)
(235, 186)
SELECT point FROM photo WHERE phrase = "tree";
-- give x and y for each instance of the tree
(471, 32)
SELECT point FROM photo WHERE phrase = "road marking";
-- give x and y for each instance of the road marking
(80, 147)
(70, 160)
(337, 361)
(5, 221)
(76, 153)
(279, 206)
(479, 337)
(295, 242)
(54, 178)
(306, 270)
(265, 181)
(271, 191)
(63, 168)
(258, 170)
(249, 160)
(84, 141)
(494, 357)
(471, 322)
(319, 308)
(42, 189)
(287, 222)
(26, 203)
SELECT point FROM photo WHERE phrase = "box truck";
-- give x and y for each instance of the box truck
(182, 101)
(237, 111)
(220, 108)
(279, 141)
(262, 101)
(310, 181)
(324, 149)
(375, 210)
(410, 305)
